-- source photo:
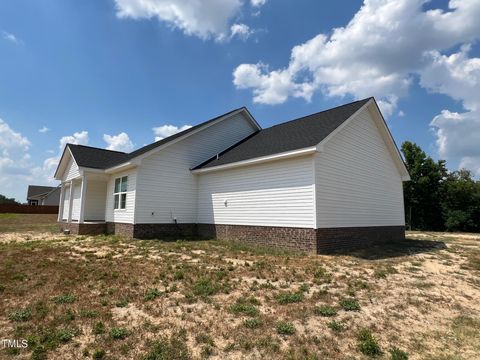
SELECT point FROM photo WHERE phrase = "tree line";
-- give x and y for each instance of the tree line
(438, 199)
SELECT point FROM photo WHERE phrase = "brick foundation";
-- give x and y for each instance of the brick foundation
(122, 229)
(298, 239)
(338, 239)
(83, 229)
(156, 231)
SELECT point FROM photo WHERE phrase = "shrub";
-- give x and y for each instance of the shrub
(152, 294)
(397, 354)
(20, 315)
(350, 304)
(325, 310)
(253, 323)
(367, 344)
(289, 298)
(285, 328)
(118, 333)
(64, 299)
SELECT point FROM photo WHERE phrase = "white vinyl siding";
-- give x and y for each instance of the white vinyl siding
(357, 182)
(71, 171)
(279, 193)
(66, 202)
(76, 204)
(166, 187)
(122, 215)
(95, 200)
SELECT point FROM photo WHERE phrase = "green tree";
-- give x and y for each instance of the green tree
(422, 194)
(5, 200)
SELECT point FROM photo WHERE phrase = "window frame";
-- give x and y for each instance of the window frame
(120, 193)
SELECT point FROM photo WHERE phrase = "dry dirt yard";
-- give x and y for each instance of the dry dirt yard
(104, 297)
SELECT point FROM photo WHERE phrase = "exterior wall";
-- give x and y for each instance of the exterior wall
(159, 231)
(83, 229)
(76, 202)
(122, 215)
(71, 171)
(279, 193)
(122, 229)
(357, 182)
(166, 188)
(66, 202)
(290, 238)
(95, 200)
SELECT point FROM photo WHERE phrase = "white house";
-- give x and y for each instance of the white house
(328, 180)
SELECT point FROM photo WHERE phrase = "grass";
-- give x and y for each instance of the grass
(107, 297)
(28, 222)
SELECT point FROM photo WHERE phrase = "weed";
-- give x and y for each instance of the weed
(205, 287)
(122, 303)
(350, 304)
(174, 348)
(89, 314)
(64, 299)
(20, 315)
(335, 326)
(152, 294)
(288, 298)
(65, 335)
(367, 344)
(98, 328)
(285, 328)
(245, 306)
(253, 323)
(397, 354)
(325, 310)
(118, 333)
(178, 275)
(204, 339)
(304, 288)
(99, 354)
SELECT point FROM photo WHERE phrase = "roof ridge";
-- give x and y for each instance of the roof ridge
(96, 148)
(319, 112)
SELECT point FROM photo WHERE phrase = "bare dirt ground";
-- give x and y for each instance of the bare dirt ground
(76, 297)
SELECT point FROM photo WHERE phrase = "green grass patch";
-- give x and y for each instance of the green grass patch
(20, 315)
(253, 323)
(285, 328)
(350, 304)
(325, 310)
(397, 354)
(367, 344)
(152, 294)
(289, 298)
(64, 299)
(118, 333)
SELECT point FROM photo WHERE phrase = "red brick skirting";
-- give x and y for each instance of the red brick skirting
(338, 239)
(157, 231)
(84, 229)
(298, 239)
(122, 229)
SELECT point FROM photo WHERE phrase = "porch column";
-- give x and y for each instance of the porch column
(60, 205)
(83, 195)
(70, 203)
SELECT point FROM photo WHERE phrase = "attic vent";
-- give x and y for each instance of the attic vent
(217, 156)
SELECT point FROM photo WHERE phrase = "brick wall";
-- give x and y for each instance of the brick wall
(122, 229)
(83, 229)
(299, 239)
(28, 209)
(153, 231)
(337, 239)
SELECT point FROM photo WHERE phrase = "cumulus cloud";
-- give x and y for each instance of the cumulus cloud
(204, 19)
(377, 53)
(120, 142)
(10, 37)
(258, 3)
(164, 131)
(241, 31)
(43, 130)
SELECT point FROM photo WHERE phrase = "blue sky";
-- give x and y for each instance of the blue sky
(106, 73)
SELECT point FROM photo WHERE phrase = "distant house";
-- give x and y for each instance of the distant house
(43, 195)
(324, 181)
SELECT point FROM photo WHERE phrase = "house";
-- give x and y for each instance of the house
(43, 195)
(324, 181)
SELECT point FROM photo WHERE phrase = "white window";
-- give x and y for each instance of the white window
(120, 193)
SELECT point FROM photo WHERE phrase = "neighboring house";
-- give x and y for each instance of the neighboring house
(324, 181)
(43, 195)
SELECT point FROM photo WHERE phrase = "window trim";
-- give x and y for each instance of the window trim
(120, 193)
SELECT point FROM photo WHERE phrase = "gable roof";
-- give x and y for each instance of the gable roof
(38, 191)
(296, 134)
(97, 158)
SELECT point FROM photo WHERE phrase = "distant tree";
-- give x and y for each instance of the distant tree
(5, 200)
(423, 210)
(461, 202)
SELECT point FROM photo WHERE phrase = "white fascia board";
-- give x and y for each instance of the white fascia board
(259, 160)
(122, 167)
(62, 161)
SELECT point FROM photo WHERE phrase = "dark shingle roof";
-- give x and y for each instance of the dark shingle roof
(36, 190)
(292, 135)
(98, 158)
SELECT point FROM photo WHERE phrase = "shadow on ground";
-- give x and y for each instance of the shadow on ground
(394, 249)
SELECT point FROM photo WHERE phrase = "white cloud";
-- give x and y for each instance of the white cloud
(204, 19)
(43, 130)
(375, 54)
(120, 142)
(164, 131)
(258, 3)
(241, 31)
(10, 37)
